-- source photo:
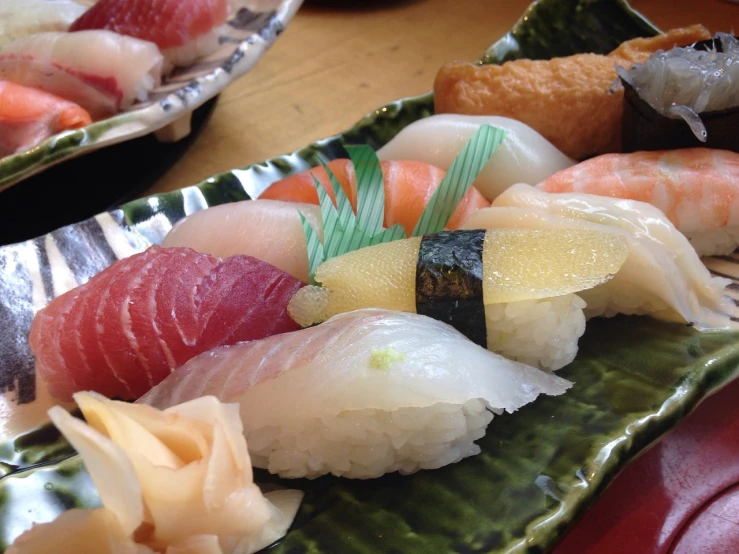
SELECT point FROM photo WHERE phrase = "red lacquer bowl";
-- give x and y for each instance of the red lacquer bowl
(680, 497)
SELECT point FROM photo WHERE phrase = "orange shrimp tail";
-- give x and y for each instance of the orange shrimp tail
(409, 186)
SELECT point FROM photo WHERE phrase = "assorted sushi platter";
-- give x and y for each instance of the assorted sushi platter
(78, 75)
(446, 329)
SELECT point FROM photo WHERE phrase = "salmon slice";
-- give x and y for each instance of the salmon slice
(409, 186)
(28, 116)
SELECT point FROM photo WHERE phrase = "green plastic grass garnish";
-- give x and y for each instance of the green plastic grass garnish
(345, 231)
(458, 179)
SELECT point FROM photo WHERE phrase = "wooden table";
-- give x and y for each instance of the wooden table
(335, 62)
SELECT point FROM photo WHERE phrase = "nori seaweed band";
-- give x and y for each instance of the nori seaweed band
(449, 281)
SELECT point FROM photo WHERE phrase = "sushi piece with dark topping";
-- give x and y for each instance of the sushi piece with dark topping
(683, 97)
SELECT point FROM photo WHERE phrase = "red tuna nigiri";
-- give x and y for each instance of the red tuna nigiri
(28, 116)
(182, 29)
(124, 330)
(409, 186)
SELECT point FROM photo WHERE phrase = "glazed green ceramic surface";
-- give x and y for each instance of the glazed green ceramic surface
(540, 468)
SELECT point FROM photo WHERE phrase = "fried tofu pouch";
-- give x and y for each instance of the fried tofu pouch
(567, 100)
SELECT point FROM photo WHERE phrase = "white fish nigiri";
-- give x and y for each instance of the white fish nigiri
(662, 275)
(366, 393)
(269, 230)
(523, 157)
(101, 71)
(21, 18)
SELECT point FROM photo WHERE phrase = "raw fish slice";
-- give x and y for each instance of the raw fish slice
(78, 340)
(398, 373)
(100, 70)
(178, 308)
(21, 18)
(228, 311)
(108, 316)
(178, 27)
(409, 185)
(122, 354)
(145, 333)
(268, 230)
(95, 351)
(28, 116)
(48, 341)
(524, 156)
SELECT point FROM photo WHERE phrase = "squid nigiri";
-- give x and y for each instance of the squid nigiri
(461, 277)
(28, 116)
(696, 188)
(125, 329)
(523, 157)
(366, 393)
(409, 186)
(662, 276)
(100, 70)
(21, 18)
(182, 29)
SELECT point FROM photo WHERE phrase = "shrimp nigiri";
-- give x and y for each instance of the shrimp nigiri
(28, 116)
(100, 70)
(409, 186)
(696, 188)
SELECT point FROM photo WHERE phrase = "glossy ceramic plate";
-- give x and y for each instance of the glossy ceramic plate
(252, 28)
(540, 468)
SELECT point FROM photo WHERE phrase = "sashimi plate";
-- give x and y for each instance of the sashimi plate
(252, 27)
(540, 468)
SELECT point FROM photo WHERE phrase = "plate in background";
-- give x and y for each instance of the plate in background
(253, 26)
(541, 468)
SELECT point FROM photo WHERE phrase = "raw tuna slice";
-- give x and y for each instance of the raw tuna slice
(182, 29)
(128, 327)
